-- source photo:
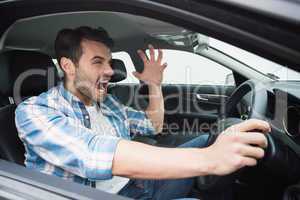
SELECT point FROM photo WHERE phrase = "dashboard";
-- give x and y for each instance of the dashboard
(291, 118)
(282, 109)
(277, 102)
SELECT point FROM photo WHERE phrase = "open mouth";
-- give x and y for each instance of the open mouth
(102, 85)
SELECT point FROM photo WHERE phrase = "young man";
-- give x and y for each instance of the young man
(77, 131)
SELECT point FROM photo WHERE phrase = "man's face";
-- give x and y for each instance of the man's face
(93, 71)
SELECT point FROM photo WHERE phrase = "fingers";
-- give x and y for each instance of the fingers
(250, 125)
(151, 52)
(252, 138)
(250, 151)
(248, 156)
(142, 56)
(250, 162)
(152, 60)
(160, 56)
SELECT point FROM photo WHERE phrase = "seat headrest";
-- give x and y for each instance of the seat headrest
(26, 73)
(119, 69)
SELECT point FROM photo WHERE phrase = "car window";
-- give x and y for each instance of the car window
(272, 69)
(189, 68)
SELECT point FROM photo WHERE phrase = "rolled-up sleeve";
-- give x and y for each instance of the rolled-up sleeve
(139, 122)
(65, 142)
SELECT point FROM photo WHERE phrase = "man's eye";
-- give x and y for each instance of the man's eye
(98, 62)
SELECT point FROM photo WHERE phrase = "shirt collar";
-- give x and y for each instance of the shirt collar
(67, 94)
(73, 99)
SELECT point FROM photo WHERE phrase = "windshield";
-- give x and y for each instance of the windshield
(267, 67)
(199, 42)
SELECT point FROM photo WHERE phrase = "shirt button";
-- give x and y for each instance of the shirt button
(86, 117)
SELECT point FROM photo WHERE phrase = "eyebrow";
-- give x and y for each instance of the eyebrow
(98, 57)
(101, 58)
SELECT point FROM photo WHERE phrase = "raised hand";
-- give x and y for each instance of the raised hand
(153, 69)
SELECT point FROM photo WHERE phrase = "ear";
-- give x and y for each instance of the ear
(67, 66)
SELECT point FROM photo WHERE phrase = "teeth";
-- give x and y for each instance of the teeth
(101, 85)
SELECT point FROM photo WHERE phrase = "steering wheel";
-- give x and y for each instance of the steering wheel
(258, 95)
(256, 109)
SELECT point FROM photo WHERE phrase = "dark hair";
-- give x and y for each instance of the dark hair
(68, 41)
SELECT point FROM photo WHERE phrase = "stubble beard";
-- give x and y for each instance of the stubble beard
(88, 89)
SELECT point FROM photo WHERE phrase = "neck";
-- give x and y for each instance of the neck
(71, 88)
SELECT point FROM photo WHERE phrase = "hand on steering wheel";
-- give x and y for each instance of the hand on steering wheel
(239, 149)
(236, 147)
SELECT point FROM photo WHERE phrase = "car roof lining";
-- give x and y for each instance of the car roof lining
(219, 20)
(123, 28)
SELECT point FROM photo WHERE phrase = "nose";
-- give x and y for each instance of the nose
(108, 71)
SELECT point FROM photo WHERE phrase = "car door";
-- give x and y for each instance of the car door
(18, 182)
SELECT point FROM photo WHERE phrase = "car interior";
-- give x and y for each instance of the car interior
(28, 69)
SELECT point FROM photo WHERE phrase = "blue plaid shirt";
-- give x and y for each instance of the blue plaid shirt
(56, 131)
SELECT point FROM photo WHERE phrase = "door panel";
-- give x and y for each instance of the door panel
(186, 115)
(188, 108)
(193, 108)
